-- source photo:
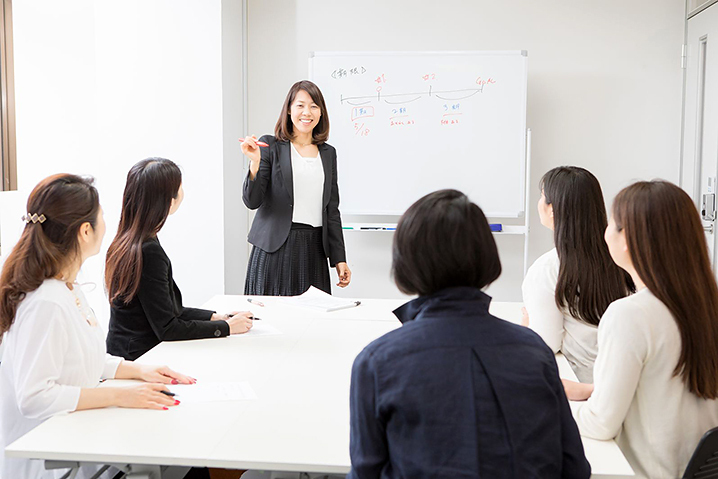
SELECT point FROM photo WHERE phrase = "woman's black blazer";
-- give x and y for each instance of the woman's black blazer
(272, 194)
(156, 313)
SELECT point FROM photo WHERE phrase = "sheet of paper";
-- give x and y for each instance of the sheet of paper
(213, 392)
(315, 298)
(259, 328)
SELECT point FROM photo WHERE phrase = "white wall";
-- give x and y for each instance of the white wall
(604, 87)
(102, 85)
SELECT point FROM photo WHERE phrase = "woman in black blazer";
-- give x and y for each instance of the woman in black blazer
(146, 304)
(292, 183)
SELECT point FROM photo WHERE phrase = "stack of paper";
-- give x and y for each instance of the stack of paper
(319, 300)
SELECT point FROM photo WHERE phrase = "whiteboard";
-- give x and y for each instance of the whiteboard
(408, 123)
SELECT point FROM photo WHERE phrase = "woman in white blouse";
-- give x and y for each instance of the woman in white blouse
(54, 349)
(568, 289)
(656, 374)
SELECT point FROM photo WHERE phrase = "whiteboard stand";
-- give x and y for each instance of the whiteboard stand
(506, 229)
(527, 208)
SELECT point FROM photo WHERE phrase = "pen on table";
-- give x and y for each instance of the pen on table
(259, 143)
(346, 306)
(254, 301)
(253, 317)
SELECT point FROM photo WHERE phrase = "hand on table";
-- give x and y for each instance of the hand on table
(524, 317)
(145, 396)
(162, 374)
(240, 322)
(345, 275)
(226, 316)
(577, 391)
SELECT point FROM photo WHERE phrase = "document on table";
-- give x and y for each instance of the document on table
(315, 298)
(213, 392)
(259, 328)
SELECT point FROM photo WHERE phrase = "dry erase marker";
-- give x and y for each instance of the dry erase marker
(259, 143)
(254, 301)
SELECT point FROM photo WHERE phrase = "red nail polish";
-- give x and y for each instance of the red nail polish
(165, 408)
(176, 402)
(174, 381)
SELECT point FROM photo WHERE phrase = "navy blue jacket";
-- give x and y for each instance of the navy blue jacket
(458, 393)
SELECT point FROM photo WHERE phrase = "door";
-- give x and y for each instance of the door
(700, 120)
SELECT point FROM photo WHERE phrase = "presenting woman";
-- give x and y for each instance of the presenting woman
(292, 183)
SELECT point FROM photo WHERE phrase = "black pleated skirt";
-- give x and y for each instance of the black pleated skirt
(298, 264)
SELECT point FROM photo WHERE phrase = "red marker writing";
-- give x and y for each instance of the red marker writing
(259, 143)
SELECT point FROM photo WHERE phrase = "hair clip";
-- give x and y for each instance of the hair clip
(34, 218)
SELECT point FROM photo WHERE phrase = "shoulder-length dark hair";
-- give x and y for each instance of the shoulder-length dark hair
(669, 252)
(46, 248)
(443, 240)
(151, 186)
(284, 130)
(588, 279)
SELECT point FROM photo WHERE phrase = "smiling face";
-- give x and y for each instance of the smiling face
(305, 114)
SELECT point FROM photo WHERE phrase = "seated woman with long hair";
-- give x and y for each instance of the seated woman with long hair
(656, 373)
(54, 349)
(146, 304)
(456, 392)
(567, 290)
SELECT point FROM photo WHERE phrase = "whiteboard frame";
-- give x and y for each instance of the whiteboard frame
(525, 165)
(524, 53)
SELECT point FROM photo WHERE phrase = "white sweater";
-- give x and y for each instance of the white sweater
(51, 352)
(561, 331)
(656, 421)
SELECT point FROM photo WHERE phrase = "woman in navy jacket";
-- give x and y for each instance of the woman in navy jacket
(456, 392)
(292, 183)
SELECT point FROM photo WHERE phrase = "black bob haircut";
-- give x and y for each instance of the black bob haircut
(443, 240)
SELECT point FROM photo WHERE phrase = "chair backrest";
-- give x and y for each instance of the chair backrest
(704, 462)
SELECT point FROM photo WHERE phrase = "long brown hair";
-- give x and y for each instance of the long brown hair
(588, 279)
(669, 252)
(151, 185)
(45, 248)
(284, 130)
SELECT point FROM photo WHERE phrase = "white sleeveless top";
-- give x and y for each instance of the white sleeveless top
(308, 182)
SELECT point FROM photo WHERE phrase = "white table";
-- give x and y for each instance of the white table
(300, 421)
